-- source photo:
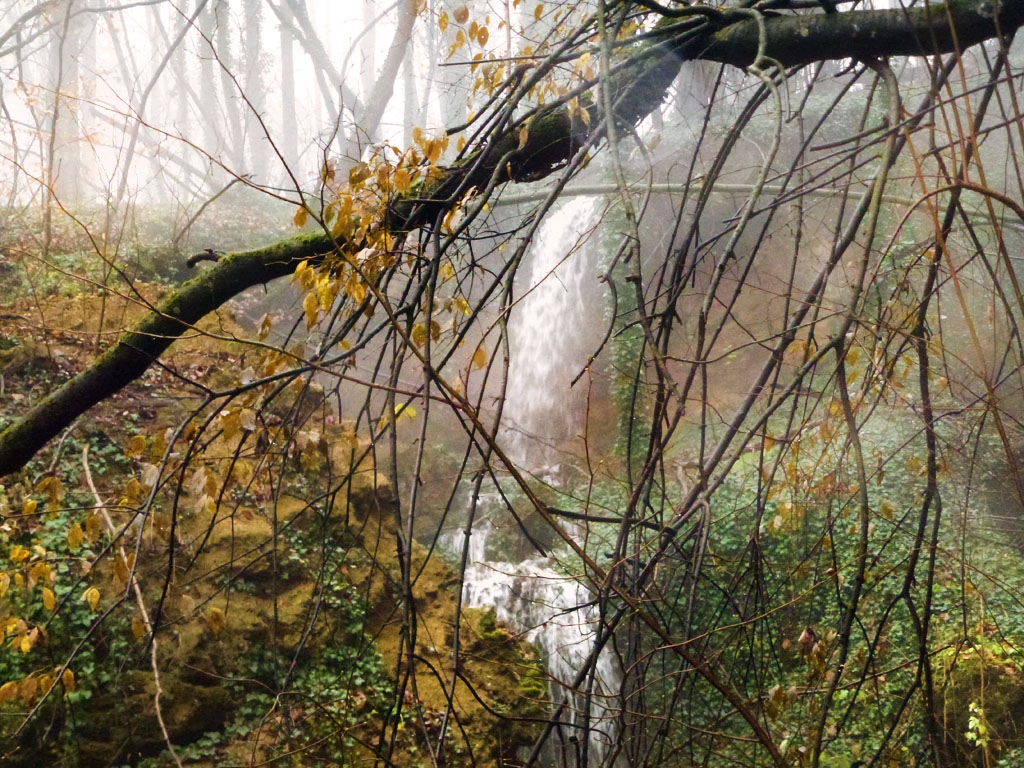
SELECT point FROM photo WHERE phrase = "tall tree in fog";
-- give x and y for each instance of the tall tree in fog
(228, 61)
(62, 161)
(255, 89)
(289, 141)
(210, 112)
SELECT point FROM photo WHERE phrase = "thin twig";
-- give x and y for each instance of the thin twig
(140, 601)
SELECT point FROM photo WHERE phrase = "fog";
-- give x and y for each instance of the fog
(104, 104)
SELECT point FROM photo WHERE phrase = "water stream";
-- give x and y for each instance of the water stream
(552, 331)
(551, 334)
(554, 613)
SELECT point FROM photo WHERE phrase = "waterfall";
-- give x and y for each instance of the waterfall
(551, 334)
(554, 613)
(552, 331)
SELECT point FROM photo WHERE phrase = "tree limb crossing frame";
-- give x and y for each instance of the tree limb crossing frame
(638, 85)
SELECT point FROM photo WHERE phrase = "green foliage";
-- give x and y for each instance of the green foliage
(786, 532)
(60, 648)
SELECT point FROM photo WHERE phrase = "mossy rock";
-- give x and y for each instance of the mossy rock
(122, 726)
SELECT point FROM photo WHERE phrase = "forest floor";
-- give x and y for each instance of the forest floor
(226, 602)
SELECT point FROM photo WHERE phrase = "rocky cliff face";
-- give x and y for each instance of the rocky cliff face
(284, 631)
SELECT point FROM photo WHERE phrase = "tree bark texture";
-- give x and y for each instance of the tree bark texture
(638, 85)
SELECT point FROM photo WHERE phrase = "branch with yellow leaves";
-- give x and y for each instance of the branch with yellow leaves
(526, 150)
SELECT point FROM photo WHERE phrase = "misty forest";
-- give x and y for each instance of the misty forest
(561, 383)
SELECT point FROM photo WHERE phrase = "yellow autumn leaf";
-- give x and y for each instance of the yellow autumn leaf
(46, 683)
(133, 489)
(481, 36)
(419, 334)
(136, 446)
(356, 290)
(538, 11)
(138, 628)
(27, 688)
(404, 412)
(442, 21)
(326, 292)
(8, 692)
(524, 136)
(76, 536)
(433, 149)
(120, 570)
(5, 583)
(40, 573)
(216, 619)
(265, 325)
(304, 275)
(479, 358)
(92, 597)
(18, 554)
(49, 599)
(461, 14)
(29, 507)
(67, 677)
(402, 181)
(311, 306)
(359, 173)
(94, 527)
(25, 644)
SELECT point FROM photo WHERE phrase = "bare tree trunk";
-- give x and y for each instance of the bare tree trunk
(61, 161)
(449, 83)
(324, 70)
(412, 115)
(140, 108)
(289, 142)
(67, 160)
(183, 85)
(368, 68)
(209, 107)
(235, 147)
(376, 99)
(255, 90)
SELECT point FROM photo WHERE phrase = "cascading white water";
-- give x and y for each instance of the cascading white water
(554, 613)
(551, 332)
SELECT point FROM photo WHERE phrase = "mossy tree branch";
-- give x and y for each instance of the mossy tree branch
(639, 85)
(928, 29)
